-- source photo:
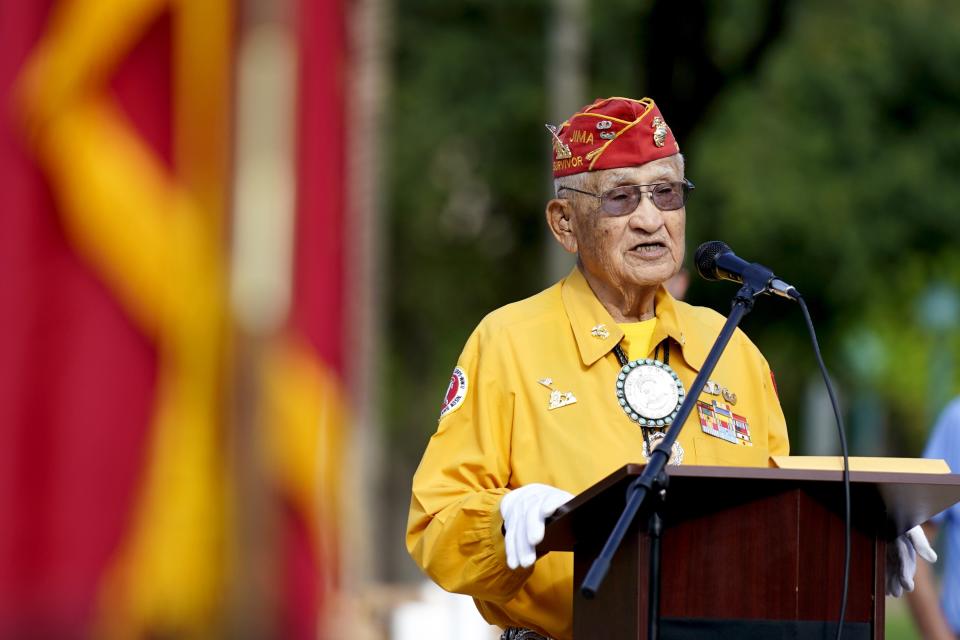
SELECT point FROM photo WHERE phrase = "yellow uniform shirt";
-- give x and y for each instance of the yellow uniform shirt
(497, 433)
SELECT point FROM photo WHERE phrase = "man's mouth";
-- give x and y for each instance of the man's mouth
(649, 247)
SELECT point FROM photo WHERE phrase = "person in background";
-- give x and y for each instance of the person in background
(555, 392)
(939, 618)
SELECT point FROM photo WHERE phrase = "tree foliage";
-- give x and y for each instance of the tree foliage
(835, 164)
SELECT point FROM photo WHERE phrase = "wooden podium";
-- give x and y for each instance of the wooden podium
(745, 552)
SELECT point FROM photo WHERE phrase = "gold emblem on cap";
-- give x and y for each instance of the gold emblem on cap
(562, 151)
(659, 131)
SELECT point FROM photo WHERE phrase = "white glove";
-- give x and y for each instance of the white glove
(524, 511)
(902, 560)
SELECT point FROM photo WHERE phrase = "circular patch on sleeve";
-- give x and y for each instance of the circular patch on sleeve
(456, 392)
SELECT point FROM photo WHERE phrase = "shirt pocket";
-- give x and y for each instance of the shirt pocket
(712, 451)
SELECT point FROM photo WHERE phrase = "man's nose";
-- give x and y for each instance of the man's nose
(646, 216)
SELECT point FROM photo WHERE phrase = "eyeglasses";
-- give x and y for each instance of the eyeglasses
(619, 201)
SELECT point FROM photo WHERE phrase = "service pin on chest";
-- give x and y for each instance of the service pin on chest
(557, 398)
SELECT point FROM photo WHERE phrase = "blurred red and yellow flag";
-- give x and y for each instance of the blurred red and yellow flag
(121, 384)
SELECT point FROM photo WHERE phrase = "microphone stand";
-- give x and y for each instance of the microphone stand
(653, 480)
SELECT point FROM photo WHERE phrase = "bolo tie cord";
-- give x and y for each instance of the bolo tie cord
(661, 349)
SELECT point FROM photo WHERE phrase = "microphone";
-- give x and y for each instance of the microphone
(716, 261)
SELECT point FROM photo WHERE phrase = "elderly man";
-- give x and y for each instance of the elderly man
(553, 393)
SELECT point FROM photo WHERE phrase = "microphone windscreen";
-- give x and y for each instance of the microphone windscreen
(706, 258)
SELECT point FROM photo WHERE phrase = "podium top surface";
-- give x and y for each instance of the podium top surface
(893, 501)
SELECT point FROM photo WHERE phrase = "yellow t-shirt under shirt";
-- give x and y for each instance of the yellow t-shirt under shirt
(636, 337)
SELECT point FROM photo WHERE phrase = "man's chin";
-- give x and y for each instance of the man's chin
(646, 278)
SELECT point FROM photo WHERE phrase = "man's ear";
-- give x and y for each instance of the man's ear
(560, 220)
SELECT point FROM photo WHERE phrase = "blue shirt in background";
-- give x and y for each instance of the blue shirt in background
(945, 443)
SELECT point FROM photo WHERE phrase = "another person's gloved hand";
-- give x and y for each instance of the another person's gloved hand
(902, 560)
(524, 511)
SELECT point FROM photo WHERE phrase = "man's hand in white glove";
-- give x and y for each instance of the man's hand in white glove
(902, 560)
(524, 511)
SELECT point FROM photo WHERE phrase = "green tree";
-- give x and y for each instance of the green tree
(835, 166)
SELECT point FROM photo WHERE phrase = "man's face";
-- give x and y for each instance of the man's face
(640, 249)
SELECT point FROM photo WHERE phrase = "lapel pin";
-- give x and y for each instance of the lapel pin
(600, 331)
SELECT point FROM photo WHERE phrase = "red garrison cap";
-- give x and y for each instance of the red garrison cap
(611, 133)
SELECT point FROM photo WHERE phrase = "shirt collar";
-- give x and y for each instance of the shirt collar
(595, 331)
(590, 321)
